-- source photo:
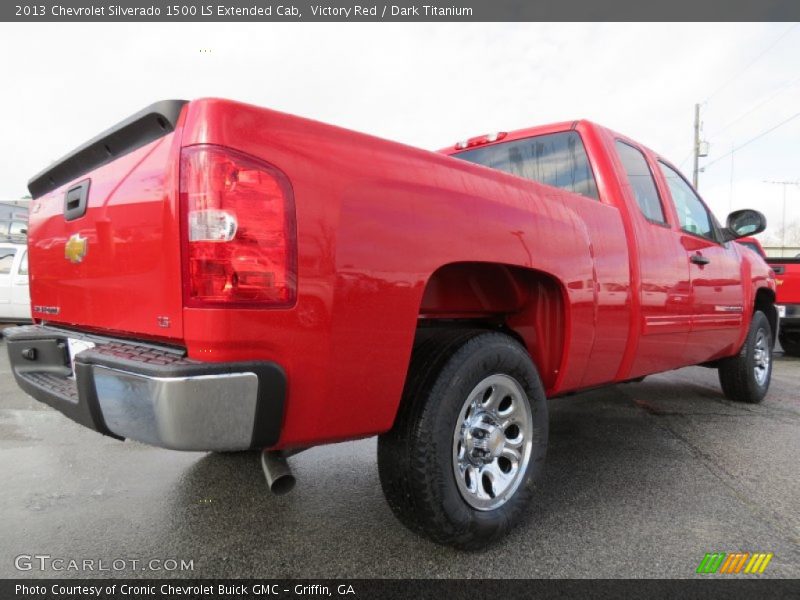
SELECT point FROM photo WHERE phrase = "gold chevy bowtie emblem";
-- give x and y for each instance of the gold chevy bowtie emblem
(76, 248)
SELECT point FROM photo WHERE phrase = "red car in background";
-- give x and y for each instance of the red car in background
(787, 278)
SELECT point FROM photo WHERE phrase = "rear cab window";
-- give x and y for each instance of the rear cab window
(555, 159)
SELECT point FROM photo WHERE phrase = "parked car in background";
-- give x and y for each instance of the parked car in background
(15, 302)
(754, 245)
(787, 278)
(15, 230)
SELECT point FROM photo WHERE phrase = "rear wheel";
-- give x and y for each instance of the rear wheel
(790, 342)
(746, 376)
(469, 441)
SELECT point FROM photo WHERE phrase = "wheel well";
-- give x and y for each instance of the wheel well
(765, 302)
(524, 303)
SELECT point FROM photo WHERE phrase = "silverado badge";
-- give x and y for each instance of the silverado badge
(76, 248)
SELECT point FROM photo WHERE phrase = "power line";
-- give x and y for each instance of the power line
(751, 63)
(688, 156)
(754, 108)
(751, 140)
(751, 110)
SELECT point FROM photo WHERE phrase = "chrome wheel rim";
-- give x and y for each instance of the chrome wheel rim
(492, 442)
(761, 358)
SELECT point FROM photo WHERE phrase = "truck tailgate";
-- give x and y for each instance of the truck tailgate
(105, 240)
(787, 276)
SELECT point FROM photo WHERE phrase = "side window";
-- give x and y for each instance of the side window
(6, 260)
(641, 181)
(18, 228)
(692, 213)
(557, 159)
(23, 265)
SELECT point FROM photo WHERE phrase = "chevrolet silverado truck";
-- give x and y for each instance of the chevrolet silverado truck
(787, 279)
(215, 276)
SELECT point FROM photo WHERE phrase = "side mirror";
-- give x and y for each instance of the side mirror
(743, 223)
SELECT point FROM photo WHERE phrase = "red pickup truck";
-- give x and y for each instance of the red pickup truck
(210, 275)
(787, 278)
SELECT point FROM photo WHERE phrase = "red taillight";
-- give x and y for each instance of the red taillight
(238, 230)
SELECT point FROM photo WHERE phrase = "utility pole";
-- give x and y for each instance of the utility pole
(700, 147)
(785, 184)
(696, 151)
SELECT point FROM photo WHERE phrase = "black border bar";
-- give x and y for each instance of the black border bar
(731, 588)
(399, 10)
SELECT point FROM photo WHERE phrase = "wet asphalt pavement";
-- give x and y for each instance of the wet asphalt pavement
(641, 481)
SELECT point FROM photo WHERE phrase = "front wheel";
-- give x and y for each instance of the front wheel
(746, 376)
(469, 441)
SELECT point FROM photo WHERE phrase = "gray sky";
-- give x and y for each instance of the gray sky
(428, 85)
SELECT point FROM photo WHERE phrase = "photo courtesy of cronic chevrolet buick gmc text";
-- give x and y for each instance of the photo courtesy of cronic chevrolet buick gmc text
(216, 276)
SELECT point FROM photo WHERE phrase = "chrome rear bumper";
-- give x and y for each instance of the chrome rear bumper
(206, 412)
(151, 394)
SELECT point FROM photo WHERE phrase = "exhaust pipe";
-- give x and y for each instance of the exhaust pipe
(279, 476)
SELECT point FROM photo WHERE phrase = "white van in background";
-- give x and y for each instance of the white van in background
(15, 300)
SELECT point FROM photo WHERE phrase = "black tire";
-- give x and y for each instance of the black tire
(790, 342)
(416, 458)
(737, 374)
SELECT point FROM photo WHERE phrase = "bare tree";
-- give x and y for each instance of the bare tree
(788, 235)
